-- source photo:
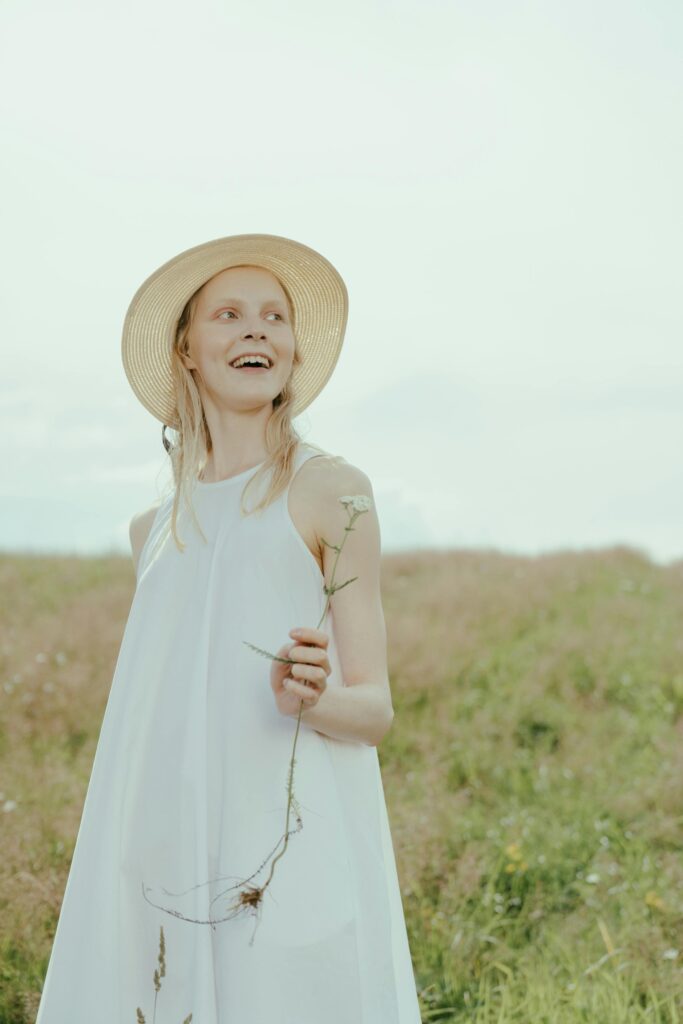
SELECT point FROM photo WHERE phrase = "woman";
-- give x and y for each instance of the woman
(184, 817)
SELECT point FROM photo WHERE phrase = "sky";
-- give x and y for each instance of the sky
(498, 183)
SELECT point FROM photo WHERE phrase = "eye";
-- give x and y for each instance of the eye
(222, 313)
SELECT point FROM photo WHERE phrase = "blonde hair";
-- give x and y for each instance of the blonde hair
(188, 455)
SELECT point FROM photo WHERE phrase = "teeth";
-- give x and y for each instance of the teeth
(250, 359)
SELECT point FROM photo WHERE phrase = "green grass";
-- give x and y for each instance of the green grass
(533, 774)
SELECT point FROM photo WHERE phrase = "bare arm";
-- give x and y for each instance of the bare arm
(360, 709)
(139, 528)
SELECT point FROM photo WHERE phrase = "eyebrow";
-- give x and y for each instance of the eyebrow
(238, 302)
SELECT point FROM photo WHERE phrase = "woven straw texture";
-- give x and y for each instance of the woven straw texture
(317, 290)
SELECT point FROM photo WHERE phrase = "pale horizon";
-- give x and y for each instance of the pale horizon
(499, 188)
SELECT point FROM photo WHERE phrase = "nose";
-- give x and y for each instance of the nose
(257, 332)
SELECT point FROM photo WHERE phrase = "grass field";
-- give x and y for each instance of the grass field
(533, 774)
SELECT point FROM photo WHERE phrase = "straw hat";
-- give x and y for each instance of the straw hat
(317, 291)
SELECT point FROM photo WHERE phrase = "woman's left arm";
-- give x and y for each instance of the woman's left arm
(361, 708)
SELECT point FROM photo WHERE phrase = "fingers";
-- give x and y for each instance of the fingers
(305, 691)
(307, 677)
(308, 635)
(312, 655)
(314, 675)
(309, 684)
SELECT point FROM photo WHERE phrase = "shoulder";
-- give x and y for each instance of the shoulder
(139, 528)
(326, 478)
(320, 484)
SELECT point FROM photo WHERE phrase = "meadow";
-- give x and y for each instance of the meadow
(533, 773)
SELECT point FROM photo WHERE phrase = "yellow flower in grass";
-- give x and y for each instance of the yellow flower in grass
(515, 854)
(653, 900)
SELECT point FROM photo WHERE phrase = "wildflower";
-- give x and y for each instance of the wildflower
(653, 900)
(250, 896)
(516, 859)
(358, 502)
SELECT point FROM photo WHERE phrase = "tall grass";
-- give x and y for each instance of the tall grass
(533, 773)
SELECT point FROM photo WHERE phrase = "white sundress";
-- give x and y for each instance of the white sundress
(188, 795)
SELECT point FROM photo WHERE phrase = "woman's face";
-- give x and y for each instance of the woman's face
(240, 311)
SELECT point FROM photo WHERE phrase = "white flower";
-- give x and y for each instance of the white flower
(358, 502)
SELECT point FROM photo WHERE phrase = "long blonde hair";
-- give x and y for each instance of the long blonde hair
(189, 453)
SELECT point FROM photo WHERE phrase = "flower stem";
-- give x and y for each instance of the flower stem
(290, 795)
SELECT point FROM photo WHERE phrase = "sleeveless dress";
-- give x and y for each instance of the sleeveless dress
(188, 797)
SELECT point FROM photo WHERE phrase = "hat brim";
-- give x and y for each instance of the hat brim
(318, 294)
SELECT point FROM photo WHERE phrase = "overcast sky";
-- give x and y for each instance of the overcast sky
(499, 184)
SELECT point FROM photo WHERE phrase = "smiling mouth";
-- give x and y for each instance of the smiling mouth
(250, 369)
(252, 360)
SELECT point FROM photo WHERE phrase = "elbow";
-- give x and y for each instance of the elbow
(385, 726)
